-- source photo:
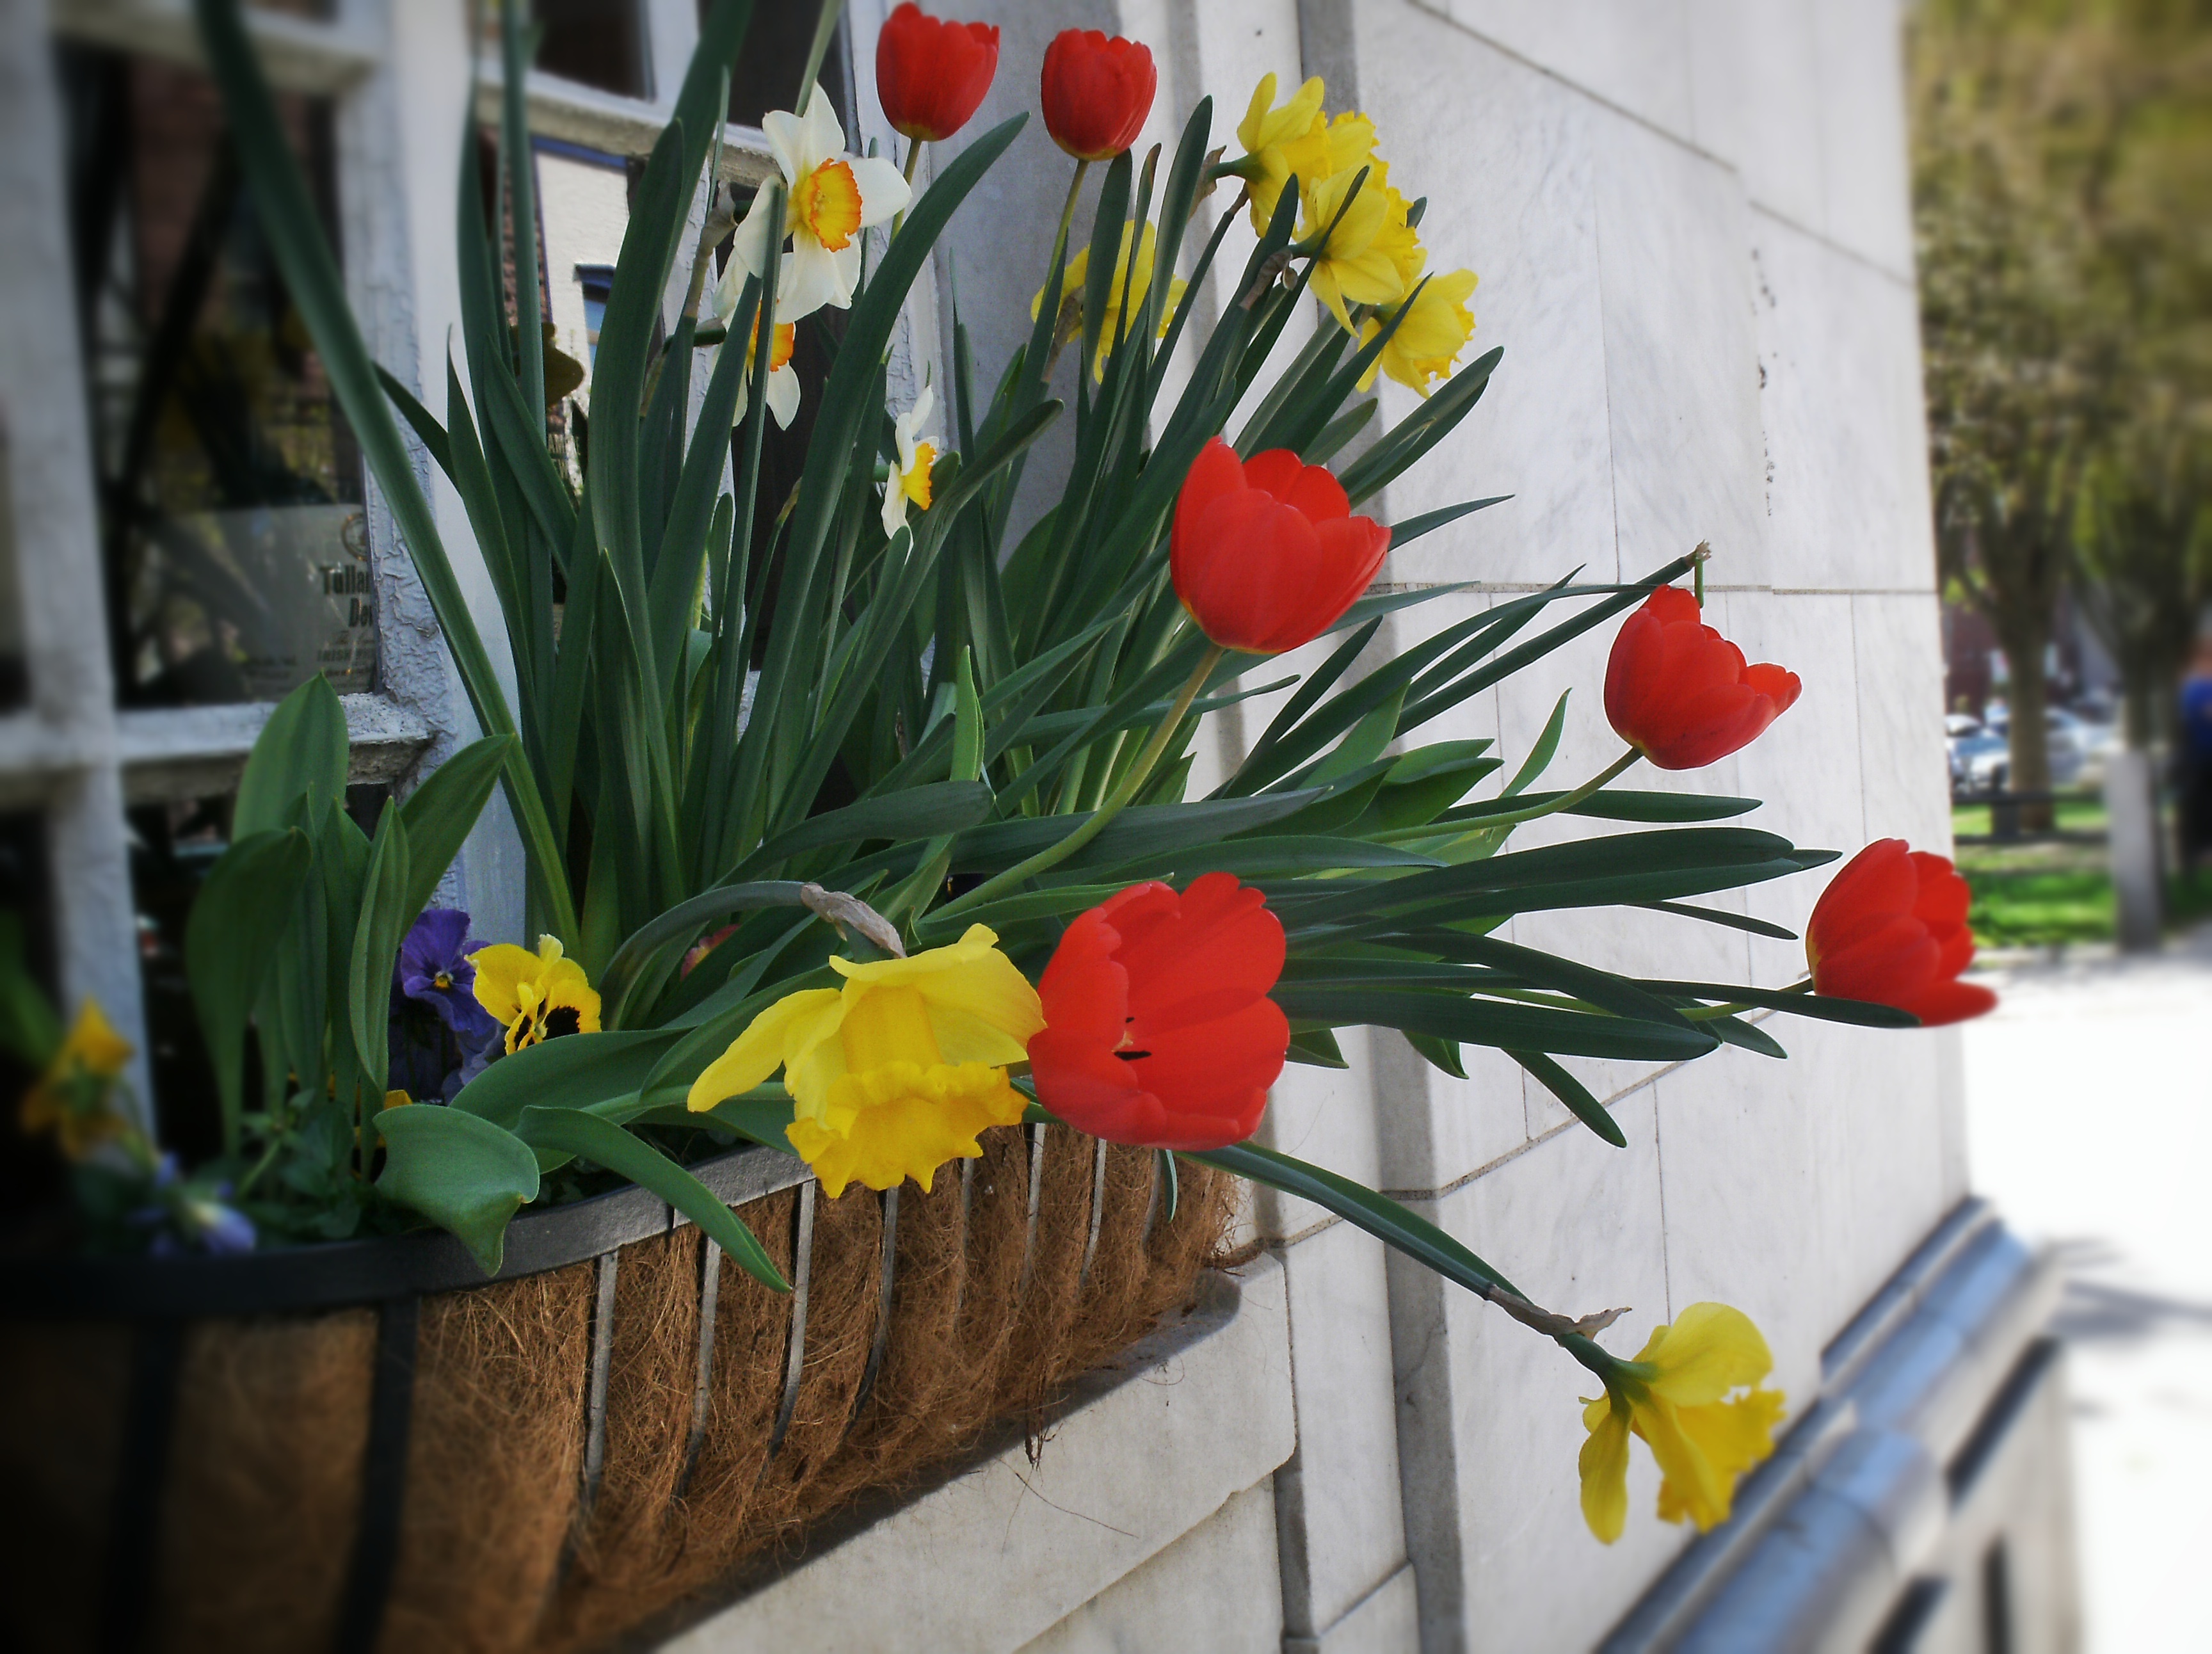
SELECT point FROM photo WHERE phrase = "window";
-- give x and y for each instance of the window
(233, 539)
(599, 43)
(230, 547)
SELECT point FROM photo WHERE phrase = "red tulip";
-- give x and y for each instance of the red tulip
(1264, 553)
(1096, 91)
(932, 73)
(1891, 928)
(1159, 1029)
(1681, 691)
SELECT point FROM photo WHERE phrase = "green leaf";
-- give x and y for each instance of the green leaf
(1429, 781)
(1572, 1092)
(233, 941)
(302, 750)
(1361, 746)
(1413, 528)
(384, 921)
(682, 923)
(1748, 1035)
(1138, 832)
(912, 812)
(30, 1028)
(421, 420)
(575, 1132)
(1827, 1007)
(440, 814)
(1488, 1021)
(1361, 1206)
(1316, 1047)
(1539, 755)
(572, 1071)
(1717, 916)
(1443, 1054)
(464, 1174)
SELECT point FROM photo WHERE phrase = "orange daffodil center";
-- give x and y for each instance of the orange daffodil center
(829, 196)
(1680, 1396)
(826, 205)
(895, 1072)
(782, 381)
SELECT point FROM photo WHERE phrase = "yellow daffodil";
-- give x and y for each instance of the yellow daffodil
(910, 485)
(1268, 134)
(74, 1098)
(894, 1073)
(1138, 285)
(829, 196)
(1364, 256)
(538, 996)
(1437, 328)
(782, 377)
(1676, 1395)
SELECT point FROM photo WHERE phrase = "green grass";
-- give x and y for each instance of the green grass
(2044, 894)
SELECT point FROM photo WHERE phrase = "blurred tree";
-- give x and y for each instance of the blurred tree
(2144, 547)
(2062, 161)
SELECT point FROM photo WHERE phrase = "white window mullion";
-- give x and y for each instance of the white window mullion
(57, 541)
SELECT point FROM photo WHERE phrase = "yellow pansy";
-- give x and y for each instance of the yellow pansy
(894, 1073)
(538, 996)
(1138, 284)
(74, 1098)
(1265, 131)
(1676, 1395)
(1437, 328)
(1366, 253)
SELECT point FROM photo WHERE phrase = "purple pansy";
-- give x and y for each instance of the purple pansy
(433, 970)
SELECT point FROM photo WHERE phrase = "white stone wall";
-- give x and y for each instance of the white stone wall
(1690, 223)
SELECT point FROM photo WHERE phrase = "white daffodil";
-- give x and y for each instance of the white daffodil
(911, 480)
(830, 198)
(782, 377)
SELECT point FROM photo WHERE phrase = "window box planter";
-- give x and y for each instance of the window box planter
(369, 1446)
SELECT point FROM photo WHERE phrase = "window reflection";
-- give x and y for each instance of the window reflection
(235, 545)
(598, 42)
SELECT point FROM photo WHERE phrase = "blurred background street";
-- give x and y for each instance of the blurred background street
(2089, 1108)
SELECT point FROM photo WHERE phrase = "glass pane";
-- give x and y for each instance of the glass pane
(33, 1178)
(236, 549)
(769, 62)
(14, 683)
(172, 847)
(598, 42)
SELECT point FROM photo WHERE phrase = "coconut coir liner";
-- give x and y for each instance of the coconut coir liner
(497, 1552)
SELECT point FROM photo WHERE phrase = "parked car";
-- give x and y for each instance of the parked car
(1981, 756)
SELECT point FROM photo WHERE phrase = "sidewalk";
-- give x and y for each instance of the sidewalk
(2089, 1124)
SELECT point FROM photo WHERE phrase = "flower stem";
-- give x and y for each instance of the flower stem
(1059, 265)
(1131, 784)
(913, 157)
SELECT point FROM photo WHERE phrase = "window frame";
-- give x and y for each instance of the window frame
(68, 752)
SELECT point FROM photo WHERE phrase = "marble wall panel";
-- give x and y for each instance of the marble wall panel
(1511, 198)
(1634, 54)
(1755, 102)
(1177, 1599)
(1489, 1424)
(1738, 1176)
(1681, 374)
(1862, 129)
(1901, 680)
(1846, 439)
(1336, 1501)
(1882, 1141)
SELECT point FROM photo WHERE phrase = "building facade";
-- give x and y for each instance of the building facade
(1690, 224)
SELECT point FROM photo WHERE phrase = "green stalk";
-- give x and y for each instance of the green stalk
(1052, 855)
